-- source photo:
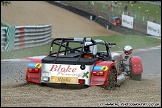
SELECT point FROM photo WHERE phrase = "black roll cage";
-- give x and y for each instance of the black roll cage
(60, 42)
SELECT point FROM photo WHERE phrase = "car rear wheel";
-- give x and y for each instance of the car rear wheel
(111, 83)
(137, 77)
(42, 84)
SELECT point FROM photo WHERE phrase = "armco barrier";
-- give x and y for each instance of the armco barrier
(25, 36)
(3, 38)
(10, 35)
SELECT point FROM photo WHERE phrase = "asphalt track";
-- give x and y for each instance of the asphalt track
(151, 61)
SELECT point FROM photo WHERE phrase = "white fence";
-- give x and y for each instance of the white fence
(19, 37)
(153, 29)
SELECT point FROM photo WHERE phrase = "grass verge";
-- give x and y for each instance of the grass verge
(133, 40)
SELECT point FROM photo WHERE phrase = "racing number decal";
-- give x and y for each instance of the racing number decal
(104, 68)
(38, 65)
(86, 74)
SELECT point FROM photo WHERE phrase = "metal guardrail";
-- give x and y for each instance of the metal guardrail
(19, 37)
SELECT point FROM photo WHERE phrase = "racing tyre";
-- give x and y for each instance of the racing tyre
(111, 84)
(137, 77)
(42, 84)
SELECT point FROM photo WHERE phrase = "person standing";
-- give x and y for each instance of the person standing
(125, 8)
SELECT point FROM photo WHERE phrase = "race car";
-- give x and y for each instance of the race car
(84, 61)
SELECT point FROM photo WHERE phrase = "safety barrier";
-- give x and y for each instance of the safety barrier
(98, 19)
(19, 37)
(103, 22)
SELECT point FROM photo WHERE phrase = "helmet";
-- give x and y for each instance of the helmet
(91, 49)
(127, 50)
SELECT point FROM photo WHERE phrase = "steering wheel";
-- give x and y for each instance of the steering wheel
(101, 55)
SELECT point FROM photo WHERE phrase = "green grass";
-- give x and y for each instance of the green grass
(152, 8)
(4, 24)
(133, 40)
(27, 52)
(154, 12)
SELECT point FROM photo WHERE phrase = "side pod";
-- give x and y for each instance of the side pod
(33, 72)
(100, 72)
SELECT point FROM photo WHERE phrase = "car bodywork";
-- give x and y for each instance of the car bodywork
(79, 61)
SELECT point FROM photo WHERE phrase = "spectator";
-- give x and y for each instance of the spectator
(125, 8)
(111, 3)
(115, 2)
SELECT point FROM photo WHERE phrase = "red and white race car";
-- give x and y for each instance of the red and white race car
(84, 61)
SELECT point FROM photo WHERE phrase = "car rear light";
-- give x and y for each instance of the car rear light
(81, 81)
(33, 69)
(100, 73)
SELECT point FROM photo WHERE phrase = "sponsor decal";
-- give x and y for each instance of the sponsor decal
(127, 22)
(104, 68)
(61, 68)
(38, 65)
(86, 74)
(152, 29)
(34, 65)
(99, 68)
(64, 70)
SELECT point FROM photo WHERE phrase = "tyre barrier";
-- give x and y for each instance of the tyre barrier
(103, 22)
(127, 31)
(60, 4)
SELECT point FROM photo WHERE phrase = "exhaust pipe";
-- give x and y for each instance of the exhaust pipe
(121, 78)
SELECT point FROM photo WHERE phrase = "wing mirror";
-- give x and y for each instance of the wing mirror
(127, 50)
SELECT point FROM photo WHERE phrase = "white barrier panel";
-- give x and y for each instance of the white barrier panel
(3, 38)
(153, 29)
(127, 21)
